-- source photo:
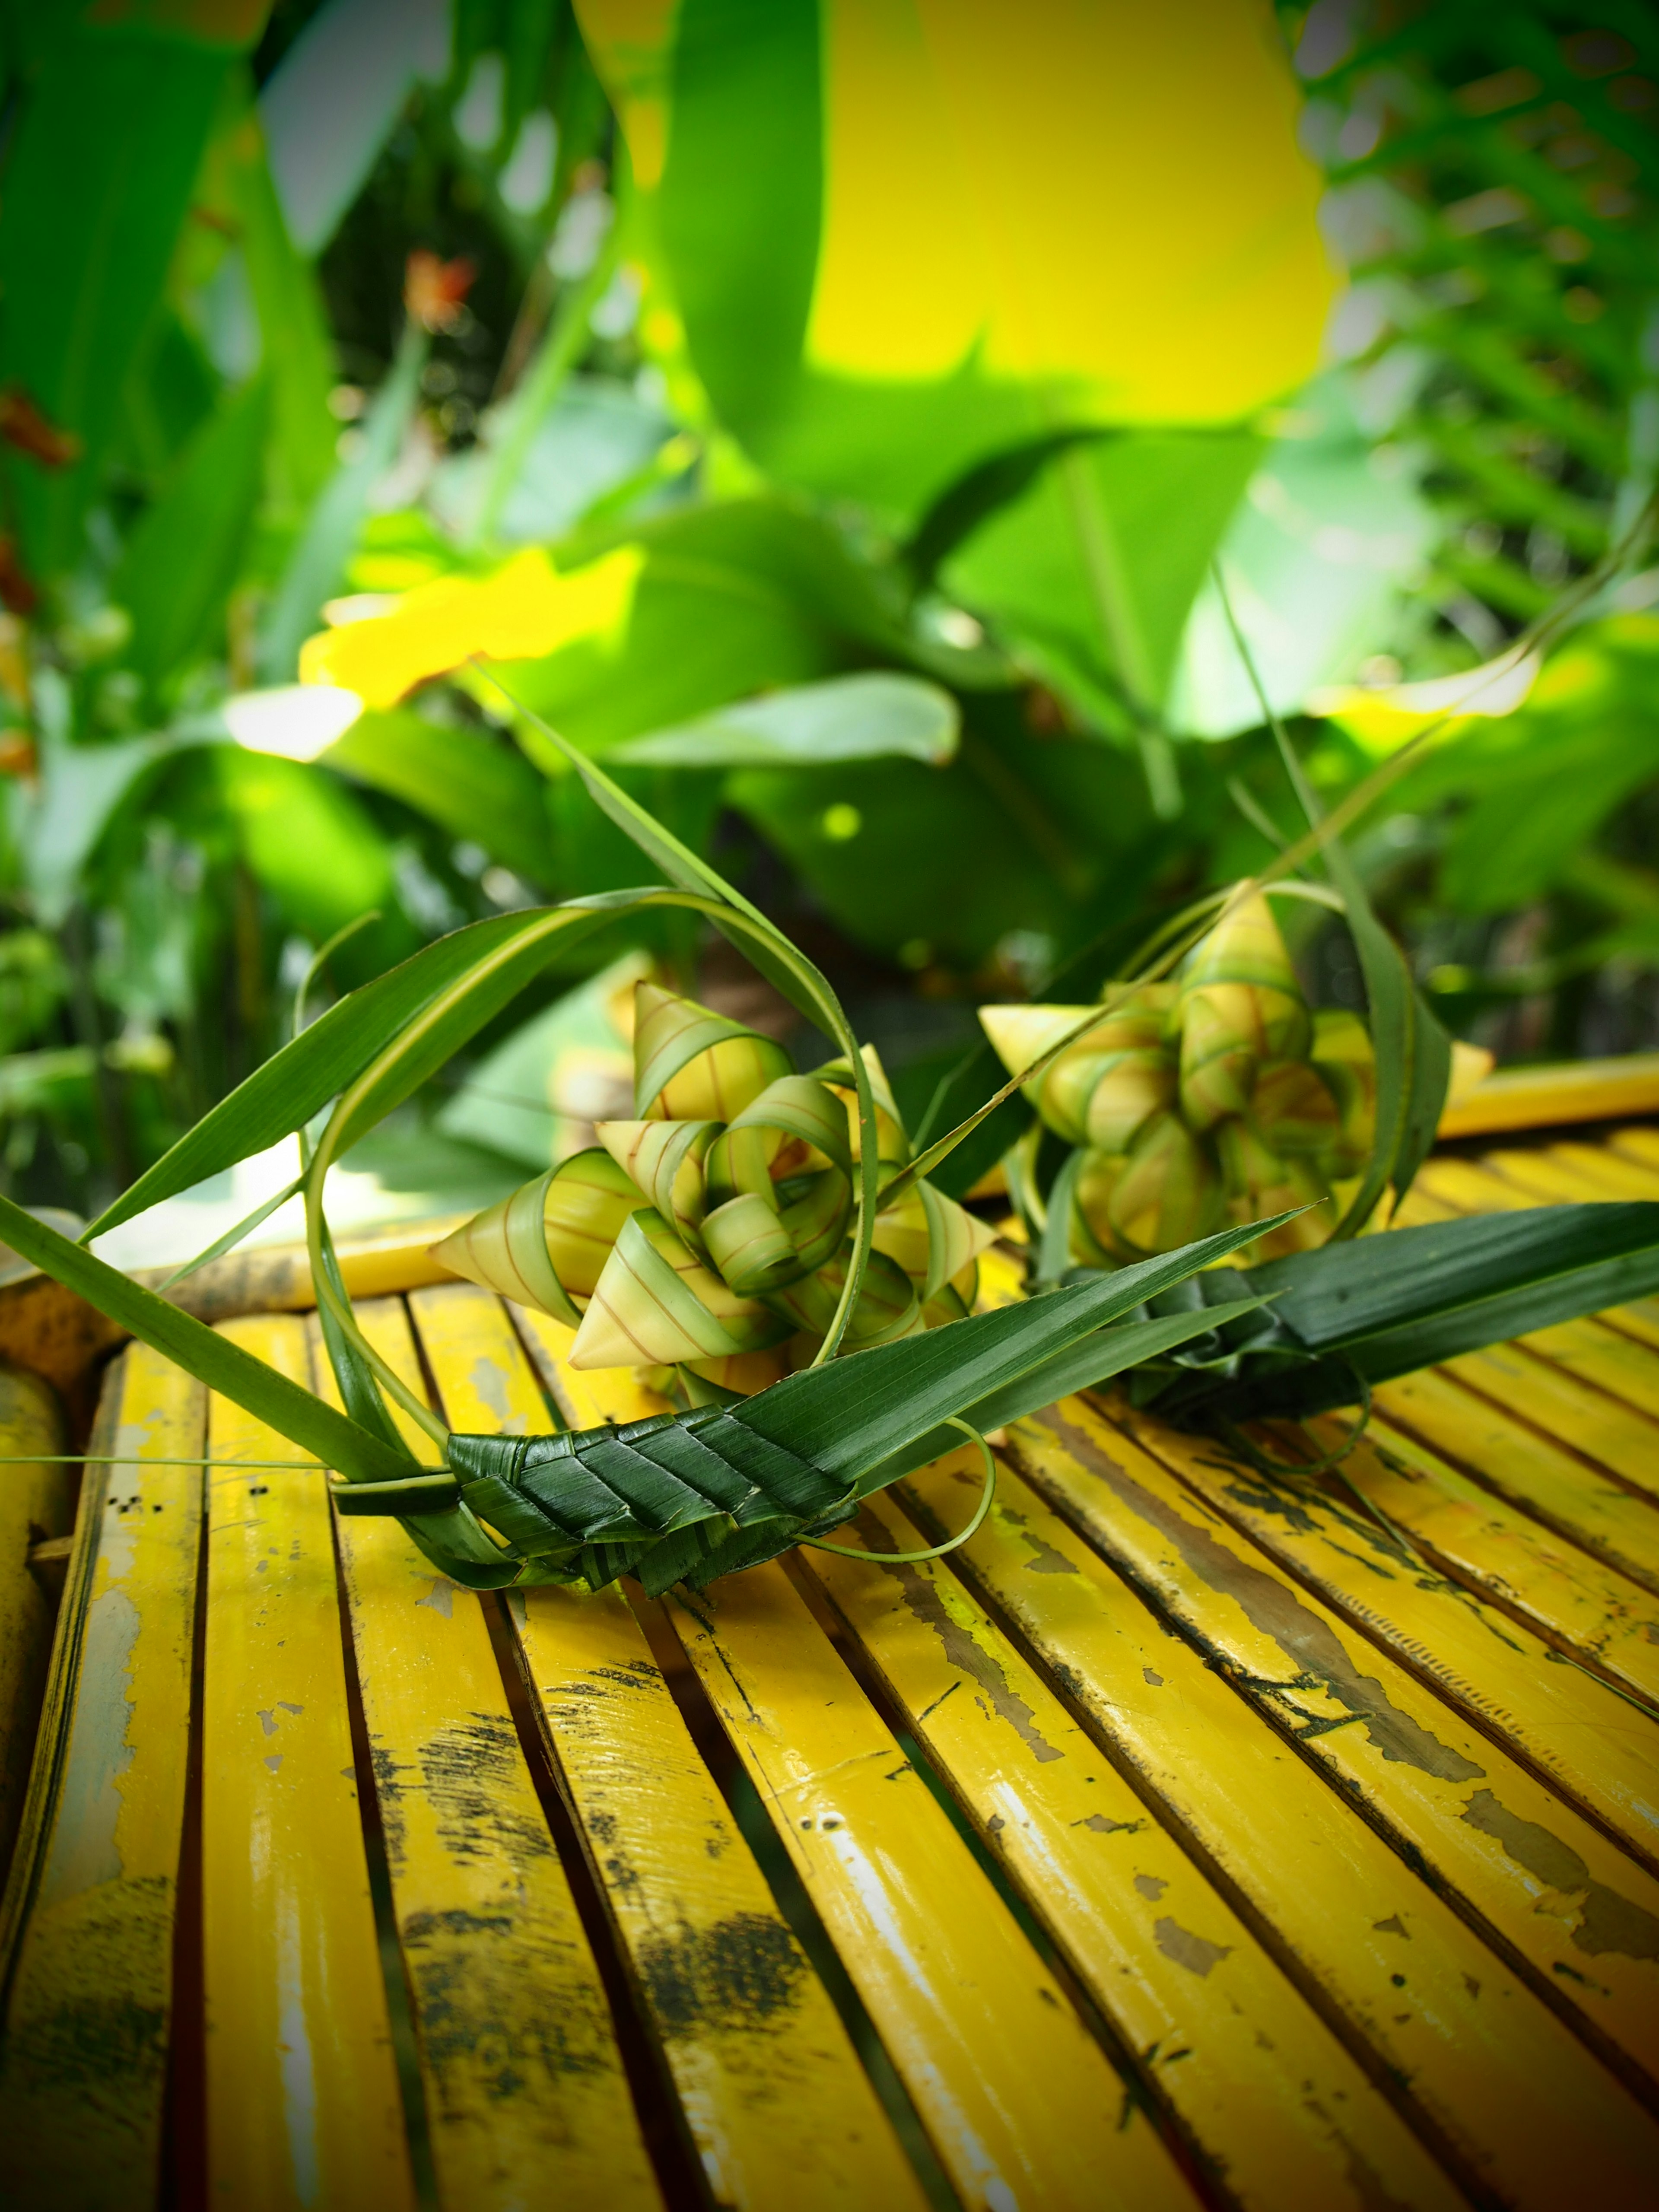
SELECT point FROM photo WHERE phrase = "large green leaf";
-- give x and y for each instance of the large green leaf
(741, 193)
(1093, 569)
(1017, 838)
(470, 784)
(108, 137)
(880, 288)
(286, 1406)
(180, 561)
(733, 599)
(871, 716)
(311, 844)
(1315, 555)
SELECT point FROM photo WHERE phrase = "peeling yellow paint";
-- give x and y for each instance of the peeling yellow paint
(1020, 2105)
(1492, 2071)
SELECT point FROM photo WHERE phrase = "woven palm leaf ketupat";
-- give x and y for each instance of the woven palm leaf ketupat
(708, 1243)
(1218, 1097)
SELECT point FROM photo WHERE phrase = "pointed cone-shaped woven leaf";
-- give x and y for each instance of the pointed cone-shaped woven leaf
(692, 1065)
(547, 1245)
(1240, 1004)
(655, 1305)
(1166, 1195)
(1103, 1088)
(665, 1160)
(1342, 1053)
(933, 1238)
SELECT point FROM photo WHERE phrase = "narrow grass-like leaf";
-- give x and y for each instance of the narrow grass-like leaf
(1354, 1314)
(875, 714)
(1412, 1052)
(1346, 1293)
(233, 1236)
(1093, 1359)
(359, 1391)
(865, 1408)
(283, 1405)
(282, 1097)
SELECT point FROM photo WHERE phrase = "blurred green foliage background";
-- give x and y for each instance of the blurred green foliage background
(925, 368)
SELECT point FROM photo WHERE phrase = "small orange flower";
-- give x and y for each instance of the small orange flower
(434, 291)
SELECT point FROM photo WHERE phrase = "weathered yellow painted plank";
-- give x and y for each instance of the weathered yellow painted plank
(1540, 1097)
(518, 2053)
(1616, 1435)
(303, 2108)
(1574, 1906)
(1546, 1482)
(778, 2105)
(1019, 2102)
(84, 2060)
(1522, 1565)
(1475, 2054)
(1640, 1142)
(35, 1502)
(1596, 1747)
(1266, 2095)
(1588, 1171)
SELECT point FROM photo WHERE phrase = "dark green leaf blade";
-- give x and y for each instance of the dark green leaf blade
(1387, 1306)
(294, 1412)
(852, 1415)
(1343, 1293)
(283, 1096)
(1081, 1366)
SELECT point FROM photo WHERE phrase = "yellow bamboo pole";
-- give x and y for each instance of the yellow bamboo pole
(518, 2053)
(83, 2057)
(1483, 1827)
(779, 2108)
(1019, 2103)
(303, 2107)
(34, 1501)
(1263, 2090)
(1490, 2070)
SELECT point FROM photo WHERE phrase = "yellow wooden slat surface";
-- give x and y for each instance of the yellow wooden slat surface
(1600, 1428)
(1019, 2102)
(1640, 1142)
(1268, 2098)
(1451, 1802)
(1535, 1474)
(84, 2060)
(1592, 1744)
(1503, 1553)
(34, 1501)
(518, 2052)
(778, 2105)
(1490, 2072)
(303, 2109)
(1540, 1097)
